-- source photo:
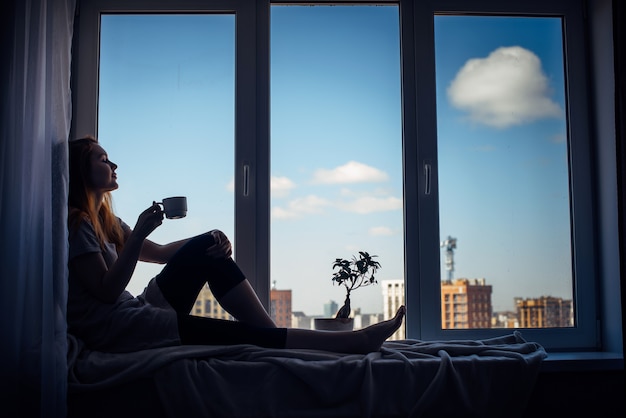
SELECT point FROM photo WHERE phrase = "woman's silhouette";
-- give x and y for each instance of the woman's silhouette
(104, 252)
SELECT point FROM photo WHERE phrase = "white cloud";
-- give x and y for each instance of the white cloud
(349, 193)
(378, 231)
(504, 89)
(311, 205)
(369, 204)
(351, 172)
(303, 206)
(282, 213)
(281, 186)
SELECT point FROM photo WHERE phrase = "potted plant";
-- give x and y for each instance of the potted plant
(352, 274)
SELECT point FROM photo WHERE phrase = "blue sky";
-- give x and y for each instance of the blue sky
(166, 118)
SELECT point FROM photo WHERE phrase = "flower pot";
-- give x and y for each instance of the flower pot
(334, 324)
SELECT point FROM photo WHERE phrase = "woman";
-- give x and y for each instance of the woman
(104, 252)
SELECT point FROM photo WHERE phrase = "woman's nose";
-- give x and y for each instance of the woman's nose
(113, 165)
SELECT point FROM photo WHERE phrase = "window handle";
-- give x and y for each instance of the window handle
(427, 177)
(246, 180)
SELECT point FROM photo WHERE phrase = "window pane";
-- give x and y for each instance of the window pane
(336, 156)
(166, 117)
(503, 173)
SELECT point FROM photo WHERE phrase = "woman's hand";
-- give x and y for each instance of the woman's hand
(149, 220)
(222, 247)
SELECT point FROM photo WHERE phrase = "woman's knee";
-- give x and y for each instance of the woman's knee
(218, 235)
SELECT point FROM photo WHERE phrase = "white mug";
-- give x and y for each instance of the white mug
(175, 207)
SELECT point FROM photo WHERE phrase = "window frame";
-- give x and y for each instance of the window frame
(584, 334)
(594, 260)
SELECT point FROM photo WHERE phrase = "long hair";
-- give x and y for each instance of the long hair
(81, 201)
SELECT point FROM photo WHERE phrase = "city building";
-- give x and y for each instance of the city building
(362, 320)
(465, 303)
(300, 320)
(544, 312)
(280, 307)
(330, 309)
(206, 305)
(505, 319)
(393, 298)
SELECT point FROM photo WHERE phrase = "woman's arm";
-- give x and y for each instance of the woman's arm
(152, 252)
(157, 253)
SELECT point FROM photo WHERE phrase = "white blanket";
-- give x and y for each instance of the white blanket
(409, 378)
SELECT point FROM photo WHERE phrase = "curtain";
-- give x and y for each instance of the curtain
(619, 46)
(34, 129)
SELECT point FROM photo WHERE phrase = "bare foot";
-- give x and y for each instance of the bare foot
(377, 334)
(362, 341)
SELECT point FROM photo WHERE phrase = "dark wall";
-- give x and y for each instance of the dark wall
(601, 393)
(619, 42)
(573, 394)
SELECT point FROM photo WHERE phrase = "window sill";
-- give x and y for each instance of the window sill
(582, 361)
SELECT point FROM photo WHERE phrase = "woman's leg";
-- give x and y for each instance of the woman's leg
(365, 340)
(208, 331)
(243, 303)
(190, 268)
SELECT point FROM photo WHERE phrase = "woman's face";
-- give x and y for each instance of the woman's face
(103, 177)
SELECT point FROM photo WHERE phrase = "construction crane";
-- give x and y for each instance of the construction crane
(450, 245)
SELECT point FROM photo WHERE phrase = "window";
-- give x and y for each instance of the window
(336, 151)
(427, 197)
(503, 157)
(467, 188)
